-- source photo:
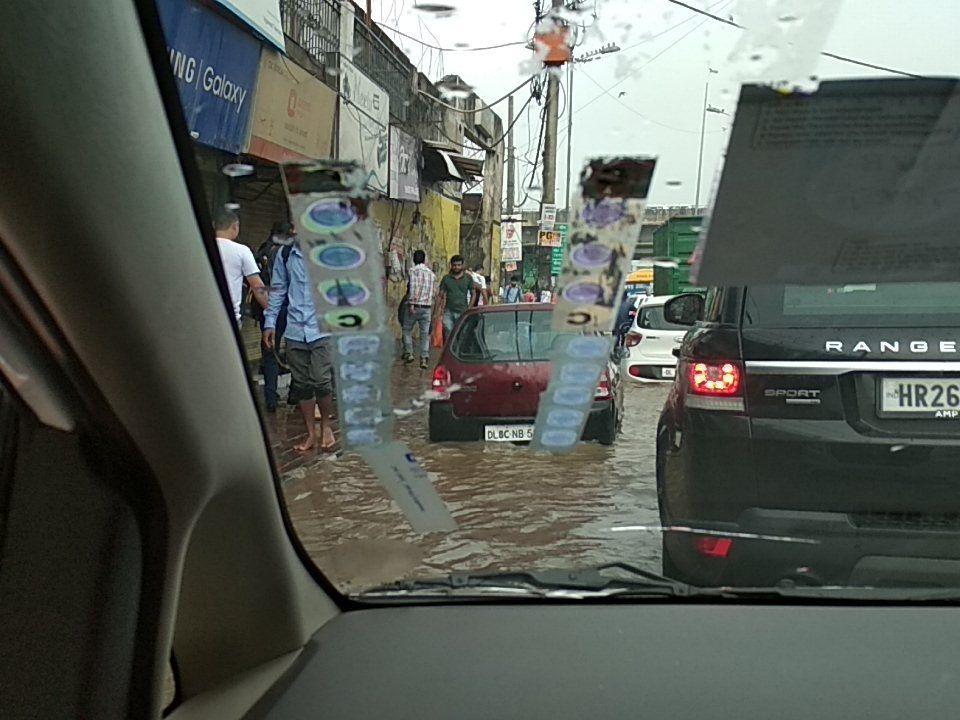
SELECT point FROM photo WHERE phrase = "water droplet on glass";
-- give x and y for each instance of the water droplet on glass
(674, 183)
(231, 206)
(194, 134)
(332, 71)
(461, 45)
(665, 262)
(756, 57)
(454, 90)
(237, 169)
(436, 9)
(787, 19)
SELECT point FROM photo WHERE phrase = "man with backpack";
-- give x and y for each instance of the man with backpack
(280, 242)
(513, 292)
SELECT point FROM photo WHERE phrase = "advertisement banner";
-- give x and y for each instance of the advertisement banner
(364, 124)
(263, 16)
(556, 255)
(404, 165)
(215, 66)
(293, 112)
(548, 238)
(511, 247)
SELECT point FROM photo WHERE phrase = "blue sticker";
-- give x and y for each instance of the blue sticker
(565, 418)
(573, 395)
(359, 394)
(559, 438)
(362, 436)
(344, 292)
(583, 293)
(601, 213)
(347, 318)
(358, 371)
(338, 256)
(592, 255)
(585, 347)
(359, 345)
(329, 216)
(579, 374)
(362, 416)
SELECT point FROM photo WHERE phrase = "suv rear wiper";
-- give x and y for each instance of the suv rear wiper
(559, 583)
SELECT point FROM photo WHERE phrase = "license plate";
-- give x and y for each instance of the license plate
(508, 433)
(669, 372)
(920, 398)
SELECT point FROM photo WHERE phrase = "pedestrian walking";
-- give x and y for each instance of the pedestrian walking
(238, 262)
(481, 282)
(418, 308)
(513, 293)
(280, 243)
(308, 347)
(457, 292)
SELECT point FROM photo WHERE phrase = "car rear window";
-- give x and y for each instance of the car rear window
(504, 337)
(931, 304)
(651, 318)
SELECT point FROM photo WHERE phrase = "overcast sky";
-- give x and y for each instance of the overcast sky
(664, 70)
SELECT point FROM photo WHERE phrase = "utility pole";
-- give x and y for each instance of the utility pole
(511, 178)
(703, 127)
(550, 135)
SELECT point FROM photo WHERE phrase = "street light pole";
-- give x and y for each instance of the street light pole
(703, 127)
(569, 134)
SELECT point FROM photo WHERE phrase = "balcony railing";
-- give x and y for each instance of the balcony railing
(315, 26)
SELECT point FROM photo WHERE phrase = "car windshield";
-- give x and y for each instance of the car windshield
(426, 218)
(504, 337)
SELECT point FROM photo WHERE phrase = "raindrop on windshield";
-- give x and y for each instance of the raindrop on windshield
(454, 90)
(436, 9)
(461, 45)
(231, 206)
(673, 183)
(237, 169)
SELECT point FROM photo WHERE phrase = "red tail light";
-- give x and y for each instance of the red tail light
(603, 387)
(441, 380)
(719, 378)
(715, 547)
(633, 339)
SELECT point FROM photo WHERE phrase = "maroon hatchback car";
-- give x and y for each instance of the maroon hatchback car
(492, 370)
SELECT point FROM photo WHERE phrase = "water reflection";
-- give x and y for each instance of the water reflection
(515, 509)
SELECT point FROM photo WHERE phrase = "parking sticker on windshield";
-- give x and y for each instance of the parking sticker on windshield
(410, 487)
(604, 231)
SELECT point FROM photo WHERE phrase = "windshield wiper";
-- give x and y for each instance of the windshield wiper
(559, 583)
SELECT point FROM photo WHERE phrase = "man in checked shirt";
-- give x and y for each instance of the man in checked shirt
(420, 294)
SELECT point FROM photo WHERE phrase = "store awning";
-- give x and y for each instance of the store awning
(441, 164)
(643, 275)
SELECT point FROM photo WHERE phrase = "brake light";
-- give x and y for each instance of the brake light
(715, 547)
(633, 339)
(603, 387)
(441, 381)
(717, 378)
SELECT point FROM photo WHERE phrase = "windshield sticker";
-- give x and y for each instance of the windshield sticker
(604, 231)
(410, 487)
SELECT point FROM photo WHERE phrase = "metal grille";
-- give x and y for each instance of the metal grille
(386, 67)
(314, 25)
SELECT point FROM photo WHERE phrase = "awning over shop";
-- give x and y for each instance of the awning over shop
(441, 164)
(643, 275)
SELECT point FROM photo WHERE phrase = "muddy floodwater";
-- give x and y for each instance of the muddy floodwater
(514, 509)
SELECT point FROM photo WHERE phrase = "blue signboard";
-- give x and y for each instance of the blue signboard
(215, 64)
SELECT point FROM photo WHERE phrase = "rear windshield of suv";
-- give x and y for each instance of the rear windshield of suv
(862, 305)
(651, 318)
(504, 337)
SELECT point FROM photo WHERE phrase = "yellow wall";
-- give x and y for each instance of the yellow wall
(436, 232)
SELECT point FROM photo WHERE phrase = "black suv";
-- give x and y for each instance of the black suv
(812, 436)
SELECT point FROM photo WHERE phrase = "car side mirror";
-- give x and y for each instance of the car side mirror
(684, 309)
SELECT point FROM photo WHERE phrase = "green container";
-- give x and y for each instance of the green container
(673, 281)
(677, 238)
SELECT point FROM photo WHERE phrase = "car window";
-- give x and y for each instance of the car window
(504, 337)
(567, 153)
(854, 305)
(651, 318)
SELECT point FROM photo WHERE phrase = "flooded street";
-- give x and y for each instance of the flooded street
(514, 509)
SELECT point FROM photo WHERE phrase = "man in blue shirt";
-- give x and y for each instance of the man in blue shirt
(308, 349)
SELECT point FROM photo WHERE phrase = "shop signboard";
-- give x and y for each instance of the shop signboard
(263, 16)
(364, 124)
(556, 256)
(215, 66)
(404, 165)
(293, 112)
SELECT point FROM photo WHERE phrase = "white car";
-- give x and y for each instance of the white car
(651, 342)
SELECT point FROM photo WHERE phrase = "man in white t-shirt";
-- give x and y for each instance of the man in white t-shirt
(238, 262)
(481, 282)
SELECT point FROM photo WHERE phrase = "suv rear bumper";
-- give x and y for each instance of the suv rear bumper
(821, 548)
(457, 428)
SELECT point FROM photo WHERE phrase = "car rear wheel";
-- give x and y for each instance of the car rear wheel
(607, 430)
